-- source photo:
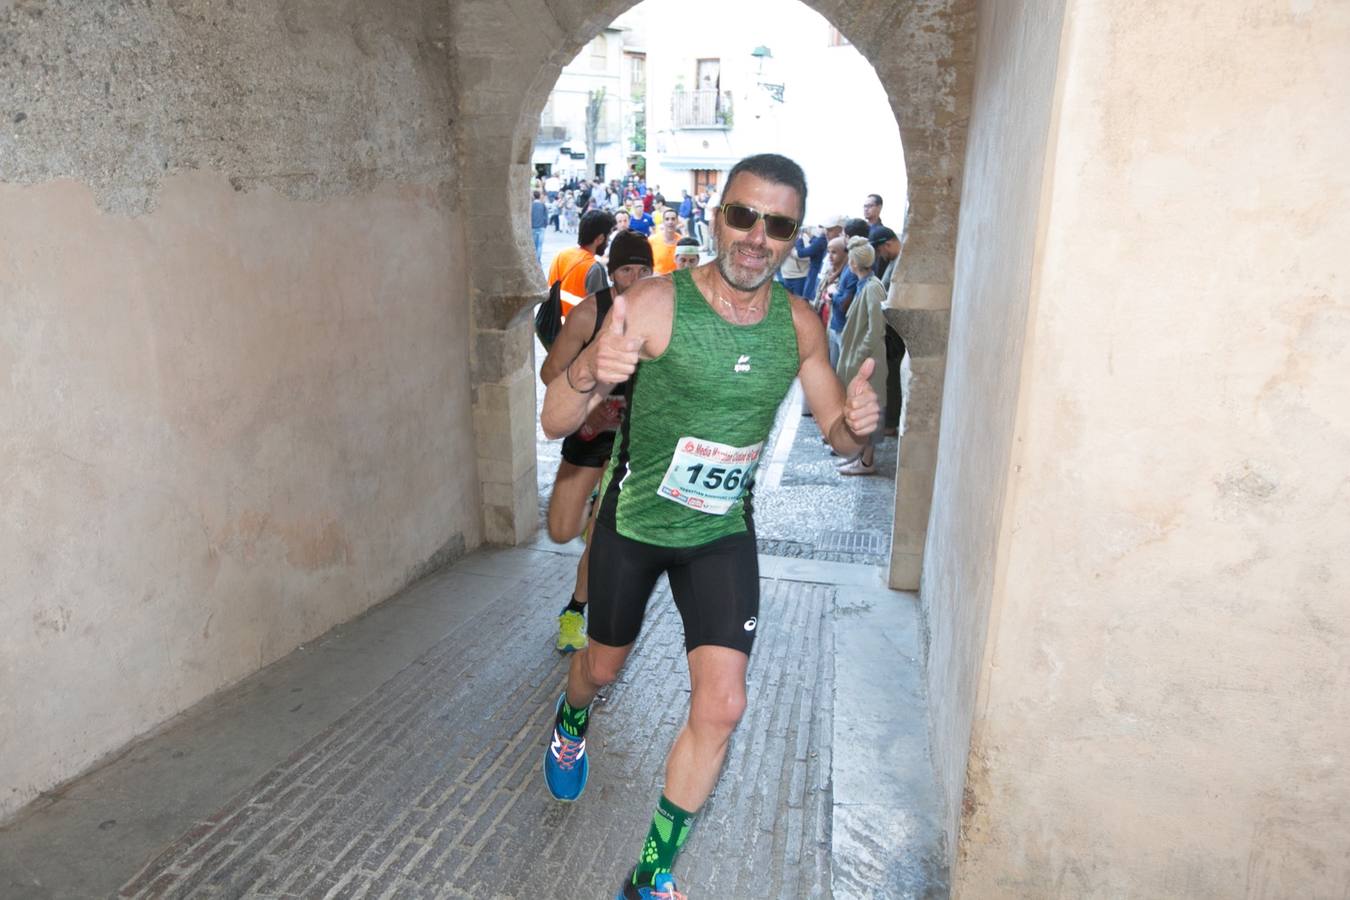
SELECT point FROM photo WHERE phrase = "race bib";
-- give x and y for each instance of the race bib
(708, 476)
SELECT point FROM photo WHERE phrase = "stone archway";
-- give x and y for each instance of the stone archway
(507, 59)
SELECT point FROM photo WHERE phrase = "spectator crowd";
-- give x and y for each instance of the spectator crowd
(560, 204)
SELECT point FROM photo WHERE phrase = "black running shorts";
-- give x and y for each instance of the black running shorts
(715, 585)
(592, 454)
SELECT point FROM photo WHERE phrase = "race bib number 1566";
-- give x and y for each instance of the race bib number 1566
(708, 476)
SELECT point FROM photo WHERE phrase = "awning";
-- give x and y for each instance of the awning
(710, 149)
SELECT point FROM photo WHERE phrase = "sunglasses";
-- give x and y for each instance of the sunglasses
(743, 218)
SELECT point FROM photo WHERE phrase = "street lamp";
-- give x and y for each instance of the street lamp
(774, 90)
(761, 53)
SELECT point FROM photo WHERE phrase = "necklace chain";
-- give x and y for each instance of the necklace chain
(736, 311)
(740, 316)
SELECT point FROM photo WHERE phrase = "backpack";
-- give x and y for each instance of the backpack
(548, 318)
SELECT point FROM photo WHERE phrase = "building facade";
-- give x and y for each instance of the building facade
(598, 83)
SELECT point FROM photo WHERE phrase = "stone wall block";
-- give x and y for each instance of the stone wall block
(479, 74)
(923, 404)
(478, 33)
(514, 521)
(907, 295)
(906, 570)
(926, 206)
(925, 259)
(515, 283)
(539, 24)
(526, 508)
(498, 280)
(499, 355)
(913, 499)
(510, 219)
(499, 524)
(504, 415)
(497, 312)
(517, 392)
(521, 396)
(495, 468)
(918, 450)
(913, 511)
(485, 128)
(499, 493)
(920, 144)
(924, 330)
(492, 431)
(489, 101)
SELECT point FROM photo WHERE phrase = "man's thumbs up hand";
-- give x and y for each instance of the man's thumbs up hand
(862, 411)
(616, 355)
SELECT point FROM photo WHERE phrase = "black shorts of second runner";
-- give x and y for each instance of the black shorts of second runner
(715, 585)
(593, 454)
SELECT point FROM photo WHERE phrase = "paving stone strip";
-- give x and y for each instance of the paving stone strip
(431, 786)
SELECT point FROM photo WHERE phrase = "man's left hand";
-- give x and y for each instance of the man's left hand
(862, 412)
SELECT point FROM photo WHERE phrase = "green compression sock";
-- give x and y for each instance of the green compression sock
(573, 721)
(670, 827)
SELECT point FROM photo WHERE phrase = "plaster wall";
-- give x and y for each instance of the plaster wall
(234, 361)
(1012, 110)
(1165, 702)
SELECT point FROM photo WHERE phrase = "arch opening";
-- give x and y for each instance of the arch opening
(922, 55)
(779, 77)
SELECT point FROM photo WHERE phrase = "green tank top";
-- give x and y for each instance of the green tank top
(683, 466)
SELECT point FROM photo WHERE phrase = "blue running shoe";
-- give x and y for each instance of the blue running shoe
(661, 888)
(565, 763)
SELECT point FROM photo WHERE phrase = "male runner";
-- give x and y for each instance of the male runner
(665, 241)
(586, 452)
(686, 253)
(576, 267)
(709, 354)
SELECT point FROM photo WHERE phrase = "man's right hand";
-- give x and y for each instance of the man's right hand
(616, 352)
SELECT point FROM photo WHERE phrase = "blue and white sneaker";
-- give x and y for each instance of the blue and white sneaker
(565, 763)
(661, 888)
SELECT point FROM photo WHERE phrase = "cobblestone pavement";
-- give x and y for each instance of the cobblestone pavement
(813, 512)
(431, 786)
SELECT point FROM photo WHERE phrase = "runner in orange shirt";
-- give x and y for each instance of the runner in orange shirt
(581, 274)
(663, 244)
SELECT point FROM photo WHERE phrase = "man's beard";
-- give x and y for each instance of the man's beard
(736, 276)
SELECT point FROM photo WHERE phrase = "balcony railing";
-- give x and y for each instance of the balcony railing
(701, 109)
(549, 132)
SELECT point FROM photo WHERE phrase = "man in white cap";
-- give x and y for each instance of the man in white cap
(687, 253)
